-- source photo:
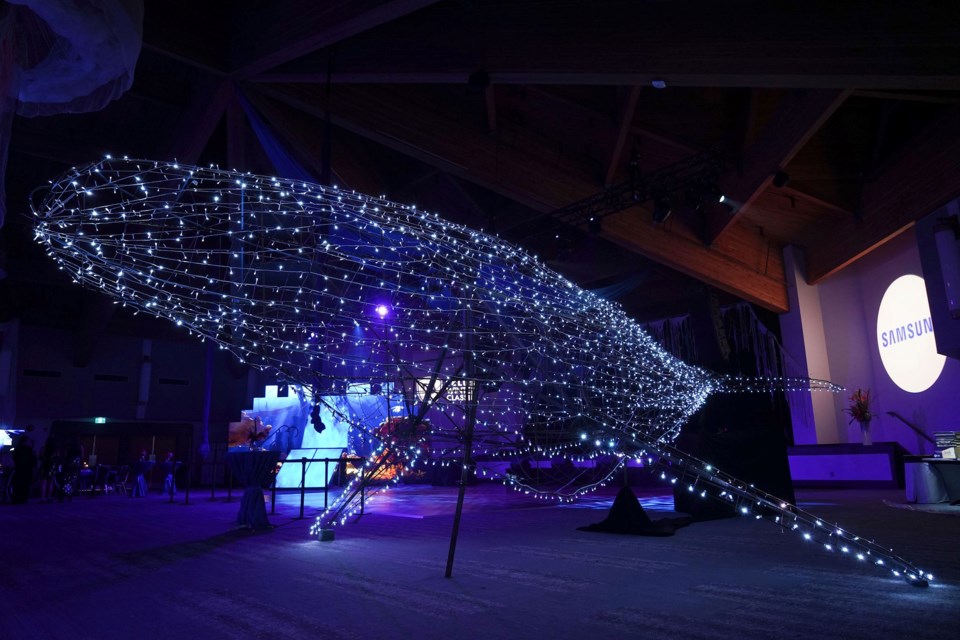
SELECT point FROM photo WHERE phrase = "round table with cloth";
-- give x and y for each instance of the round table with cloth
(139, 470)
(251, 469)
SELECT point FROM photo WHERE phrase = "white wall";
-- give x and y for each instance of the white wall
(849, 302)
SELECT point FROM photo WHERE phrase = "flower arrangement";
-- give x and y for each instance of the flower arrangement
(859, 408)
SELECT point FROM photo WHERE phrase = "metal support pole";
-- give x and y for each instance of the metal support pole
(273, 495)
(186, 499)
(326, 481)
(303, 482)
(464, 478)
(473, 389)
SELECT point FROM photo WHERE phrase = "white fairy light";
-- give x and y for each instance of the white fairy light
(328, 287)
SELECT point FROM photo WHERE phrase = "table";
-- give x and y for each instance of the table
(85, 480)
(932, 480)
(949, 470)
(139, 469)
(251, 469)
(170, 478)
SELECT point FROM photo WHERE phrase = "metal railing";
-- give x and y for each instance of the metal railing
(186, 472)
(187, 477)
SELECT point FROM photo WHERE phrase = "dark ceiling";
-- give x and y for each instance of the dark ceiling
(498, 113)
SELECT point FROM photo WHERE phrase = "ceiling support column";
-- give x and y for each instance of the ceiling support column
(813, 414)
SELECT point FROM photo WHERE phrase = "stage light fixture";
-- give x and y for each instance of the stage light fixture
(733, 206)
(594, 225)
(661, 209)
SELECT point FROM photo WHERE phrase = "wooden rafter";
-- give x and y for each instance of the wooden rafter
(820, 202)
(202, 119)
(743, 264)
(925, 176)
(900, 96)
(303, 134)
(237, 134)
(623, 132)
(490, 97)
(798, 118)
(294, 28)
(890, 48)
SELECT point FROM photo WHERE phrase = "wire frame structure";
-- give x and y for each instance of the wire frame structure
(498, 354)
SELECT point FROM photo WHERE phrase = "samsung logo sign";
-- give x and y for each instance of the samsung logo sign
(905, 338)
(906, 332)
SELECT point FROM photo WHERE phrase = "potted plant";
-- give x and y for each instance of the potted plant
(859, 410)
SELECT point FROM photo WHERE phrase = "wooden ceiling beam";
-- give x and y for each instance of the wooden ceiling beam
(594, 124)
(686, 148)
(185, 57)
(623, 131)
(924, 177)
(820, 202)
(900, 96)
(353, 163)
(742, 263)
(201, 120)
(490, 97)
(407, 120)
(304, 135)
(479, 215)
(794, 123)
(701, 43)
(185, 31)
(237, 133)
(289, 29)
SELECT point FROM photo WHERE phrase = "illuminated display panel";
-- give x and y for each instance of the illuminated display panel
(905, 338)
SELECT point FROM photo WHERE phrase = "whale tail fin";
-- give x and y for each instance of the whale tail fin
(708, 482)
(767, 384)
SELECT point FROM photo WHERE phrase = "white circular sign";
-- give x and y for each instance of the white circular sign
(908, 348)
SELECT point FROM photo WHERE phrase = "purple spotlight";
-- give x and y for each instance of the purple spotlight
(382, 310)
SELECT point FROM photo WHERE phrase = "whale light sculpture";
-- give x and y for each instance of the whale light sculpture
(497, 353)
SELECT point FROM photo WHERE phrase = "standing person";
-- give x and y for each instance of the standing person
(48, 463)
(140, 482)
(24, 463)
(170, 468)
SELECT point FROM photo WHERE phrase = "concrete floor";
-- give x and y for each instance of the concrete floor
(115, 567)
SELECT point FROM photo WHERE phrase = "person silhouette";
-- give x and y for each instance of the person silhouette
(169, 468)
(49, 460)
(24, 464)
